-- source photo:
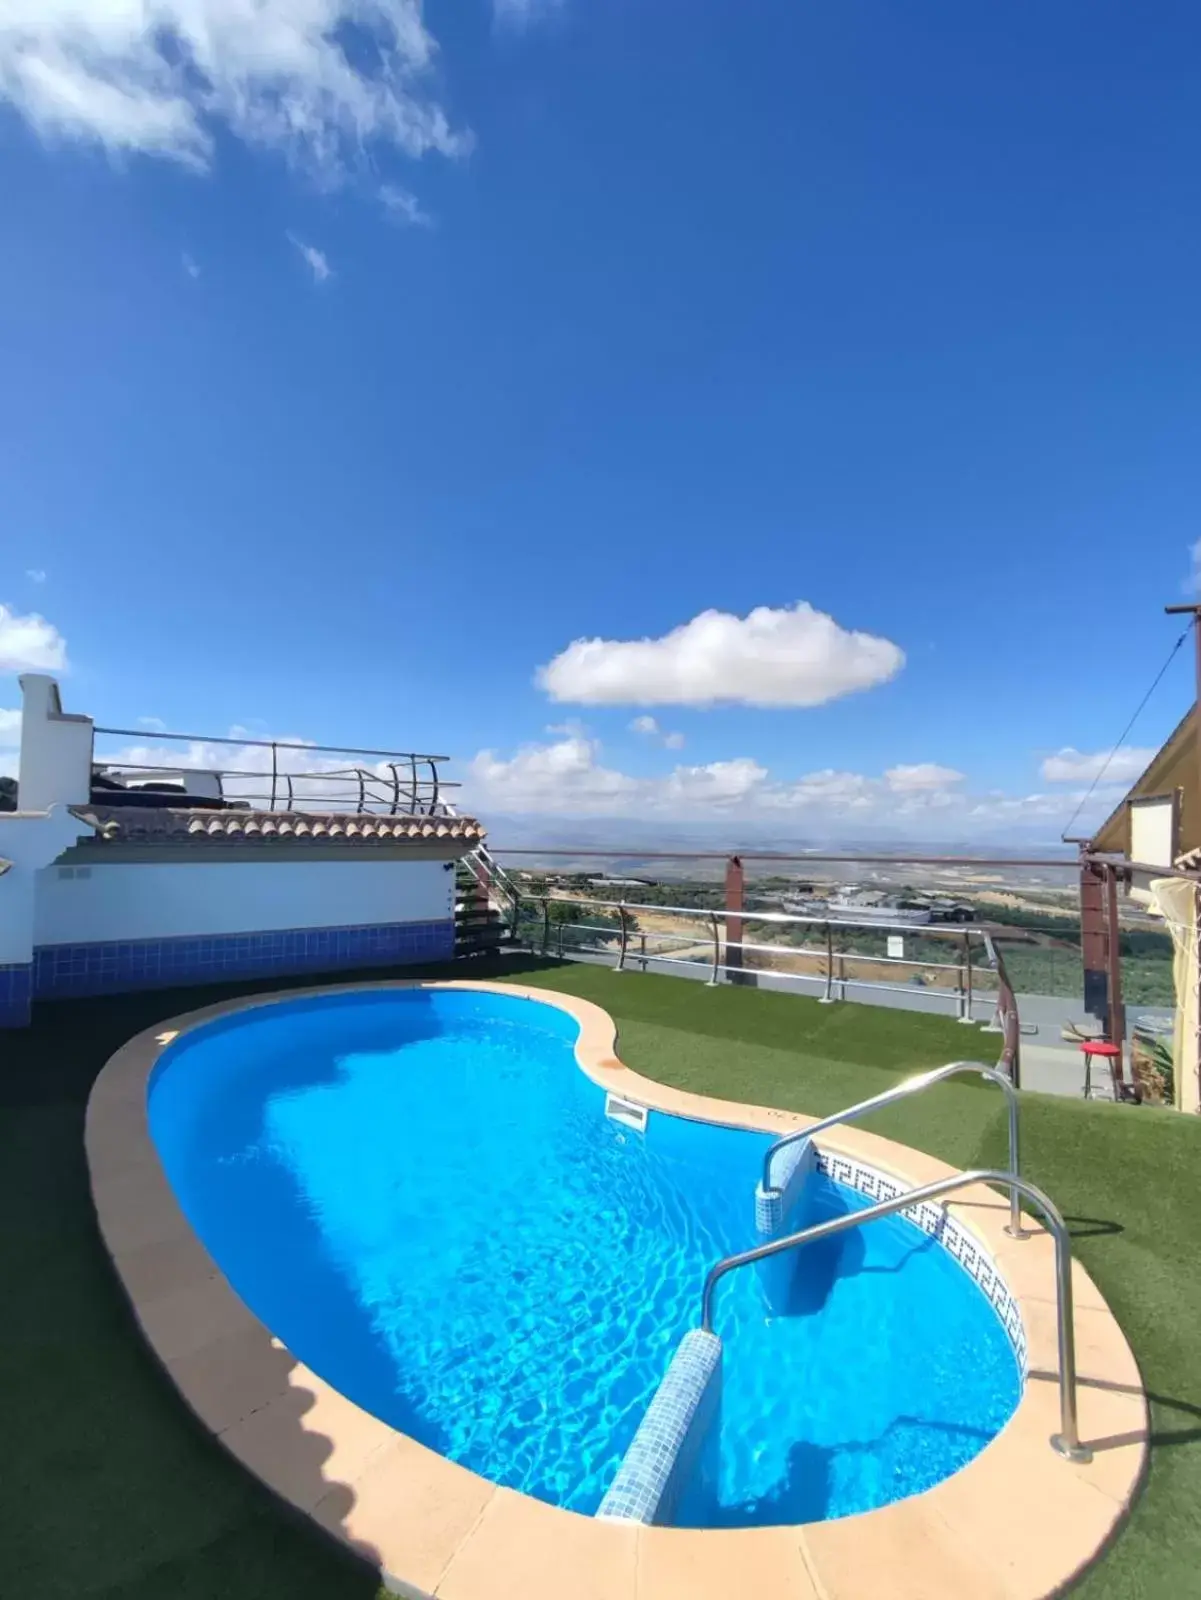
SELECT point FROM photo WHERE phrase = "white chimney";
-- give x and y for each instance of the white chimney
(56, 749)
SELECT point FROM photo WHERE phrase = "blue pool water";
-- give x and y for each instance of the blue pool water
(419, 1192)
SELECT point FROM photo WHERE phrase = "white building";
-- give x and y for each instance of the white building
(114, 879)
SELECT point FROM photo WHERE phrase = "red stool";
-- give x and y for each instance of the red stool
(1108, 1052)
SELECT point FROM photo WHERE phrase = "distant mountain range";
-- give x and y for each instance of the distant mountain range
(638, 838)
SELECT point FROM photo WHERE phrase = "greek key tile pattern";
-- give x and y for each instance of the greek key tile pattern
(933, 1219)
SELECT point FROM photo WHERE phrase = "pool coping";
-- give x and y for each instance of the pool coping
(1018, 1522)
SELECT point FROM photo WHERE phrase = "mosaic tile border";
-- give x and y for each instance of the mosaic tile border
(775, 1207)
(669, 1434)
(933, 1219)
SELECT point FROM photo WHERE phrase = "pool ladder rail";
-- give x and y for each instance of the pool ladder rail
(912, 1086)
(1067, 1441)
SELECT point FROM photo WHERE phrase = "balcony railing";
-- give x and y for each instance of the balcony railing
(613, 930)
(272, 775)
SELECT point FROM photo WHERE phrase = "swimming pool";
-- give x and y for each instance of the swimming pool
(419, 1192)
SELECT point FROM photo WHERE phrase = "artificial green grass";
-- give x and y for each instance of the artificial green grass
(112, 1490)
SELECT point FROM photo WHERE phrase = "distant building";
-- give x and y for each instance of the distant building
(1157, 824)
(1159, 819)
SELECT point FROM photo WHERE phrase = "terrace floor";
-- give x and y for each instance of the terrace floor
(112, 1490)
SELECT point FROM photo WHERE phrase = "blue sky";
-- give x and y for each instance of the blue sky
(356, 365)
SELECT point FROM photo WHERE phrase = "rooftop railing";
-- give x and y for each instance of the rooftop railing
(274, 775)
(613, 930)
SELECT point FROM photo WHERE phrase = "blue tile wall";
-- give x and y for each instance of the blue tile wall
(670, 1435)
(16, 991)
(61, 970)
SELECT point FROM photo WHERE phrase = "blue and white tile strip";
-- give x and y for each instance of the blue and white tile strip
(63, 970)
(670, 1435)
(931, 1218)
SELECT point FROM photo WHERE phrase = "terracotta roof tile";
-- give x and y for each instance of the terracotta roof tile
(166, 825)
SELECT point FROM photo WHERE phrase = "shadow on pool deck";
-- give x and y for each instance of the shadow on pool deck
(114, 1490)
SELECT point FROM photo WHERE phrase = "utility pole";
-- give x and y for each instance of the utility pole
(1194, 611)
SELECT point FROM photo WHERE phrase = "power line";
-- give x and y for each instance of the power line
(1138, 711)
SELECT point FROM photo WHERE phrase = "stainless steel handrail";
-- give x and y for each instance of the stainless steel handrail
(1006, 1017)
(902, 1091)
(1067, 1441)
(879, 925)
(491, 876)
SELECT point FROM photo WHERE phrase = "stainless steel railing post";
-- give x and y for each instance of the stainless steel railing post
(965, 1008)
(715, 975)
(828, 998)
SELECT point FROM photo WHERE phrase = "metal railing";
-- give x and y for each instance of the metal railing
(836, 981)
(402, 783)
(1067, 1441)
(492, 878)
(902, 1091)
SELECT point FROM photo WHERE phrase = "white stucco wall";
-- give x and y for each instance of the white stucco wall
(153, 900)
(27, 841)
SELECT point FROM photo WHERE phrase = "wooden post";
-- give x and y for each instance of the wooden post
(1193, 609)
(734, 903)
(1115, 1026)
(1094, 939)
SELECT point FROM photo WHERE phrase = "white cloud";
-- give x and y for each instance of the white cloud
(649, 728)
(320, 81)
(715, 786)
(520, 13)
(313, 258)
(10, 729)
(30, 644)
(925, 775)
(404, 207)
(1192, 584)
(569, 778)
(1073, 766)
(794, 656)
(190, 265)
(36, 574)
(565, 776)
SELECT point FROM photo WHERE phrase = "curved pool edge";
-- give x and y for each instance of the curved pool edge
(1016, 1523)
